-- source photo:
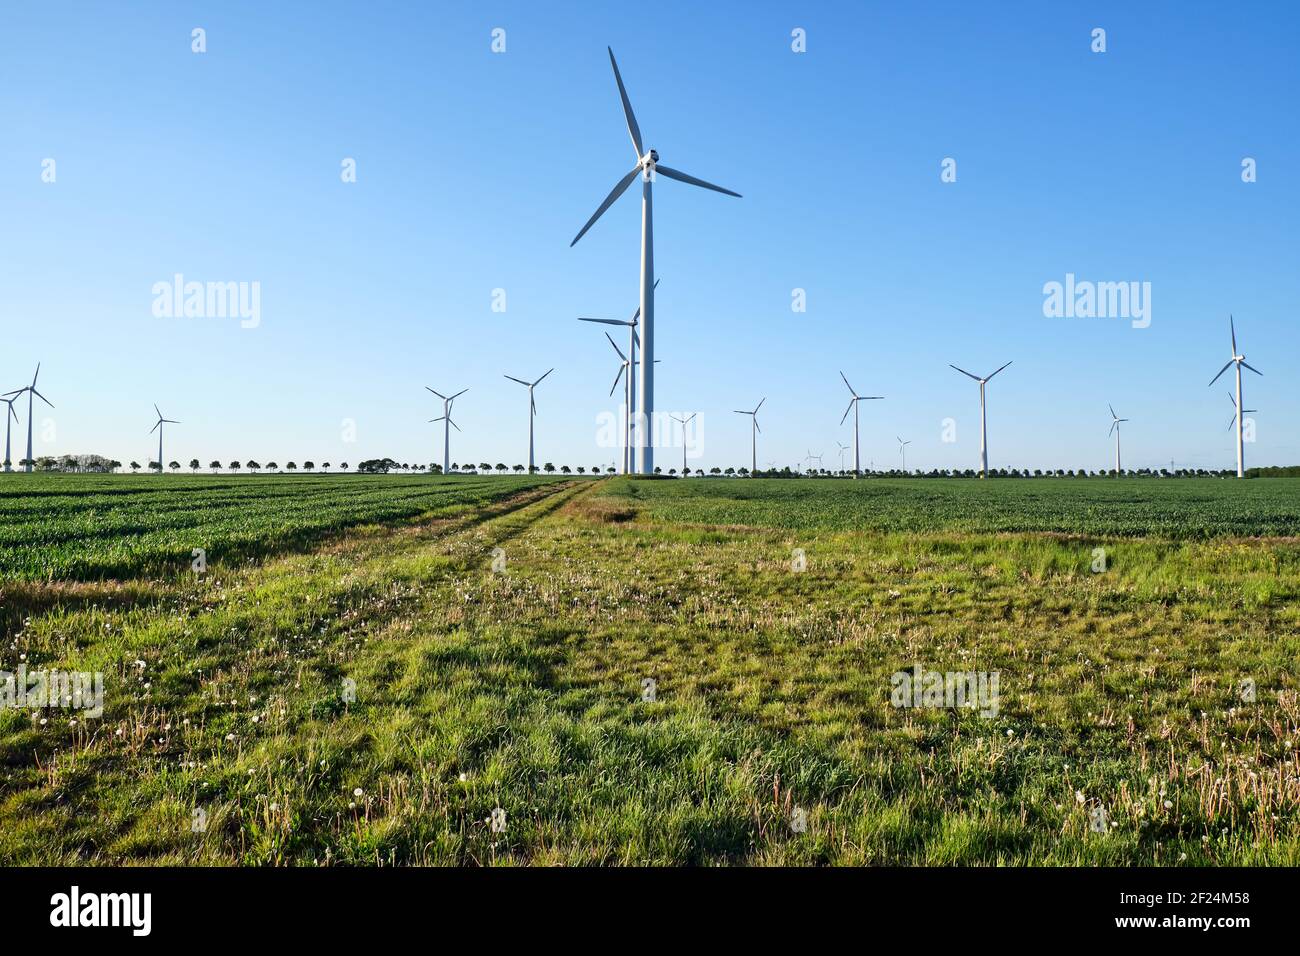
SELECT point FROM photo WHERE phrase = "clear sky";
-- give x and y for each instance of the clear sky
(475, 169)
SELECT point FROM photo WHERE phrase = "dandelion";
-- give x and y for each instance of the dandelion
(1169, 805)
(358, 792)
(1079, 797)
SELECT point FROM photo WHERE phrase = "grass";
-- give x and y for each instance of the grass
(523, 689)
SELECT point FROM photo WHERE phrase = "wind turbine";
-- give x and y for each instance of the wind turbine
(647, 167)
(8, 423)
(1244, 411)
(843, 449)
(630, 392)
(902, 450)
(753, 436)
(30, 390)
(984, 448)
(446, 431)
(811, 458)
(1239, 360)
(853, 406)
(532, 412)
(1114, 427)
(158, 427)
(683, 422)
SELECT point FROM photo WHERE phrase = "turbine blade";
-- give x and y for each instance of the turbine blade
(519, 380)
(155, 408)
(1111, 430)
(848, 386)
(37, 375)
(683, 177)
(1245, 363)
(1232, 399)
(759, 405)
(453, 424)
(1221, 371)
(614, 193)
(155, 426)
(847, 410)
(605, 321)
(51, 404)
(616, 348)
(693, 414)
(1233, 327)
(633, 129)
(739, 412)
(964, 372)
(436, 392)
(1231, 421)
(548, 372)
(637, 314)
(458, 394)
(760, 431)
(618, 378)
(1112, 410)
(995, 373)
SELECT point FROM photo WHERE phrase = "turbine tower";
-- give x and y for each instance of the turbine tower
(8, 424)
(158, 427)
(30, 390)
(532, 412)
(647, 167)
(853, 406)
(683, 422)
(1239, 360)
(753, 436)
(448, 424)
(630, 392)
(902, 450)
(1114, 426)
(984, 448)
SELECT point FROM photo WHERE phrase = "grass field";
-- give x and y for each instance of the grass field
(770, 615)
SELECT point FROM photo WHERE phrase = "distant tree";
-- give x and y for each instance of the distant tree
(518, 468)
(715, 470)
(729, 472)
(253, 466)
(153, 466)
(344, 466)
(114, 464)
(234, 466)
(699, 472)
(671, 472)
(548, 468)
(215, 466)
(744, 472)
(582, 470)
(272, 466)
(436, 468)
(309, 466)
(135, 465)
(658, 470)
(324, 466)
(501, 467)
(194, 465)
(174, 466)
(566, 469)
(610, 469)
(292, 466)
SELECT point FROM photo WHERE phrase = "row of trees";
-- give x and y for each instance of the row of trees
(100, 464)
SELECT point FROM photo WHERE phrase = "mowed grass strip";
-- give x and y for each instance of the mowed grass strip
(523, 690)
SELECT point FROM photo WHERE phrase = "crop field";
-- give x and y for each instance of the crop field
(625, 671)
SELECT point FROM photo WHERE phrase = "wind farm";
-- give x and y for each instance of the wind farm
(331, 635)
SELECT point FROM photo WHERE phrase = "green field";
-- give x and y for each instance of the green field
(1122, 617)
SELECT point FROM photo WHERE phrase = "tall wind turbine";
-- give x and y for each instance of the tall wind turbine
(448, 424)
(158, 427)
(683, 422)
(843, 449)
(532, 412)
(8, 423)
(647, 167)
(1114, 427)
(853, 406)
(753, 436)
(630, 400)
(1244, 411)
(902, 450)
(1239, 360)
(984, 448)
(30, 390)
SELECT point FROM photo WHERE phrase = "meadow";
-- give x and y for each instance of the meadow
(673, 672)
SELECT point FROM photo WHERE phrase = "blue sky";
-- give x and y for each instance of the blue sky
(475, 169)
